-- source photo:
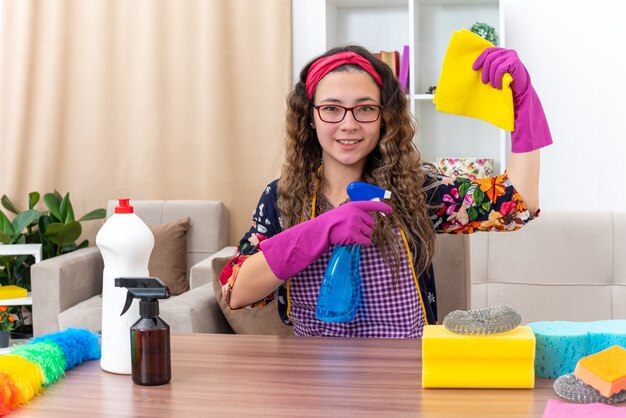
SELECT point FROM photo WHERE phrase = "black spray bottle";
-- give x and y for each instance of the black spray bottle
(150, 336)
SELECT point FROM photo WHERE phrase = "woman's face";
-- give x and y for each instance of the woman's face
(348, 142)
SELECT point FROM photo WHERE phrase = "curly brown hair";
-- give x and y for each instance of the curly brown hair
(395, 164)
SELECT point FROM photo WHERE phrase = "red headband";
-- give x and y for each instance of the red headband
(324, 65)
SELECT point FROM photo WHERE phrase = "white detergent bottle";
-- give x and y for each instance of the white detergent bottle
(126, 243)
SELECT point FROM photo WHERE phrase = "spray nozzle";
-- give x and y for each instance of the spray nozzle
(147, 289)
(364, 191)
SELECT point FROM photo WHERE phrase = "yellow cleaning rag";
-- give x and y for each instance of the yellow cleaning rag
(460, 89)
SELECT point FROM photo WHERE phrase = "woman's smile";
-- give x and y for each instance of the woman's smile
(348, 141)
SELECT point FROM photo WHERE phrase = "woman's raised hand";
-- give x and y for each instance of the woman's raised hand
(531, 127)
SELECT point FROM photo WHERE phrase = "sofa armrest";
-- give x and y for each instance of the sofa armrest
(201, 273)
(61, 282)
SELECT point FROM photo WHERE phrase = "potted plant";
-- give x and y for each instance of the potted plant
(56, 229)
(7, 324)
(486, 31)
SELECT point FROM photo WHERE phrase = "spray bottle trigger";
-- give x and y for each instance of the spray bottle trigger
(129, 301)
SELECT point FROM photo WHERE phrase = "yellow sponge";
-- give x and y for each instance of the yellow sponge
(604, 370)
(503, 360)
(12, 291)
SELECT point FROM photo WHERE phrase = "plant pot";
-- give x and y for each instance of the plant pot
(4, 339)
(22, 332)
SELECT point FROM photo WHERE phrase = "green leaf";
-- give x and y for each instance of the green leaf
(83, 244)
(94, 214)
(44, 221)
(33, 199)
(69, 248)
(472, 213)
(64, 209)
(5, 238)
(486, 205)
(70, 213)
(6, 202)
(478, 196)
(48, 249)
(463, 190)
(21, 221)
(5, 224)
(53, 201)
(63, 234)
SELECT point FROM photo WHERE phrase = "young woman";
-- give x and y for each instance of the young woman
(348, 120)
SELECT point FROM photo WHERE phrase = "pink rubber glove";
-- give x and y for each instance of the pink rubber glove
(291, 251)
(531, 127)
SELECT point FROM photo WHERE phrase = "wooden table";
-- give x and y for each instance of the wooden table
(217, 375)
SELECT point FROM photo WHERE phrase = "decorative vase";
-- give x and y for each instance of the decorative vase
(4, 339)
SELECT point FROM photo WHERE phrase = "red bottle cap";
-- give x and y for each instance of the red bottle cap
(124, 206)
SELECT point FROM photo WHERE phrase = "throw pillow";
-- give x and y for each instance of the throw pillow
(168, 261)
(262, 321)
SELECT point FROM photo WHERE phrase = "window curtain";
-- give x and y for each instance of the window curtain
(145, 99)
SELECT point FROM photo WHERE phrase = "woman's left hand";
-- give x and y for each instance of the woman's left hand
(495, 62)
(531, 127)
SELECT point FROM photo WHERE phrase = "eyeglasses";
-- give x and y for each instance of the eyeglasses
(333, 113)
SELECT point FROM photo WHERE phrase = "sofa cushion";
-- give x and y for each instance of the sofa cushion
(563, 266)
(169, 256)
(194, 311)
(86, 314)
(263, 320)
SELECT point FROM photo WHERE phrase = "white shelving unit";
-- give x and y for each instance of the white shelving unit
(20, 249)
(424, 25)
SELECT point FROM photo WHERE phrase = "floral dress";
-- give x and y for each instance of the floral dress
(459, 206)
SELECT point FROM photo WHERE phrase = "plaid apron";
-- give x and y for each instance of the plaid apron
(389, 308)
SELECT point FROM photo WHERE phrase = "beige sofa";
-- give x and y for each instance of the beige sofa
(66, 289)
(561, 266)
(564, 265)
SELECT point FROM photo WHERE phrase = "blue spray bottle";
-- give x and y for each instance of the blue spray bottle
(340, 292)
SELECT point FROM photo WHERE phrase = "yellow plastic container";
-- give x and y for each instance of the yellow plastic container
(503, 360)
(12, 291)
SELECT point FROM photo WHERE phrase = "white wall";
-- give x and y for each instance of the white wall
(308, 35)
(575, 53)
